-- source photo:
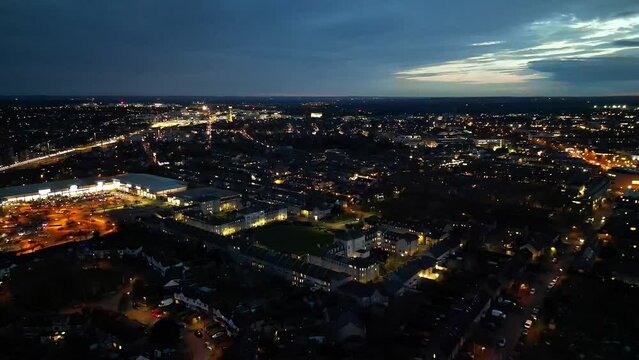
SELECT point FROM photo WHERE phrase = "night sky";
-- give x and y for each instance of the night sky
(322, 47)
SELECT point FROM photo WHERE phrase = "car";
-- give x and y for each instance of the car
(533, 291)
(498, 313)
(501, 342)
(528, 323)
(535, 310)
(525, 332)
(197, 333)
(218, 334)
(208, 345)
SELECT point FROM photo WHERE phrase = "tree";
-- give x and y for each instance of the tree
(166, 333)
(125, 303)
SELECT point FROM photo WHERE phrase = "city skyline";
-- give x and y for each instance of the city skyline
(495, 48)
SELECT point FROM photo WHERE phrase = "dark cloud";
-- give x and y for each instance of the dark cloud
(627, 43)
(591, 70)
(246, 47)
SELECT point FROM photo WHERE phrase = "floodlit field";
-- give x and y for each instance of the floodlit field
(28, 227)
(294, 239)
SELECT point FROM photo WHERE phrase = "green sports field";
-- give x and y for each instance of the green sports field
(294, 239)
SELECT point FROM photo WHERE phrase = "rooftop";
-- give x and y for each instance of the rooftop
(625, 170)
(54, 186)
(295, 265)
(206, 194)
(152, 183)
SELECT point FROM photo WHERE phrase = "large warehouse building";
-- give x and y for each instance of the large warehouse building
(150, 186)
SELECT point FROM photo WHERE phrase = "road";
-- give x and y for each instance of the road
(197, 346)
(61, 153)
(512, 327)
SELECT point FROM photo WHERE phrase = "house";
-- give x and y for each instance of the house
(348, 327)
(316, 212)
(539, 244)
(195, 298)
(443, 249)
(295, 271)
(365, 294)
(49, 327)
(171, 287)
(361, 268)
(406, 277)
(5, 268)
(400, 243)
(460, 321)
(168, 268)
(351, 241)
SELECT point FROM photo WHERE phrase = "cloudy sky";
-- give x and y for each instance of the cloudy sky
(322, 47)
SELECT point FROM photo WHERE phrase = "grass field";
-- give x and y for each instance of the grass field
(294, 239)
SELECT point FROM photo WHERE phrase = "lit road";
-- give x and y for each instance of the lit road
(512, 327)
(61, 153)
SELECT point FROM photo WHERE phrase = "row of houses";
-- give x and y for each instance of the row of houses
(362, 269)
(295, 271)
(201, 298)
(257, 215)
(354, 243)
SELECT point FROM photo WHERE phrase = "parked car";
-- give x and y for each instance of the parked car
(535, 310)
(528, 324)
(498, 313)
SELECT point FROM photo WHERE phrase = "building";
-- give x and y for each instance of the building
(624, 178)
(458, 326)
(443, 249)
(407, 277)
(229, 116)
(490, 143)
(629, 199)
(145, 185)
(71, 187)
(365, 294)
(294, 271)
(195, 298)
(362, 269)
(169, 268)
(403, 244)
(210, 199)
(247, 218)
(316, 213)
(351, 242)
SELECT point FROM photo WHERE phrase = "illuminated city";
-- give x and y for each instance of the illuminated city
(328, 180)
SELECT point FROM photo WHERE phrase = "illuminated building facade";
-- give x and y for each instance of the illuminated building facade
(624, 178)
(145, 185)
(210, 199)
(248, 218)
